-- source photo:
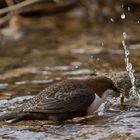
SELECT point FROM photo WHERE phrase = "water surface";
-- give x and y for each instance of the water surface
(70, 51)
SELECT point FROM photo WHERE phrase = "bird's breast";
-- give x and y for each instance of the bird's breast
(94, 105)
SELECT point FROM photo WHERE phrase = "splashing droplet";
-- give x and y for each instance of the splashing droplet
(128, 8)
(111, 19)
(130, 71)
(124, 35)
(122, 16)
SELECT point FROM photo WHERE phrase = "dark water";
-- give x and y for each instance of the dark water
(70, 51)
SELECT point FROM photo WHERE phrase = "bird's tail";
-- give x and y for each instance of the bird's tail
(9, 116)
(16, 116)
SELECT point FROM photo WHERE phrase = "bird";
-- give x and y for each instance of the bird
(65, 100)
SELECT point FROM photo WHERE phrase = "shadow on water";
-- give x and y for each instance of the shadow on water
(38, 60)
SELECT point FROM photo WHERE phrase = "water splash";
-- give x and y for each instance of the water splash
(123, 16)
(129, 68)
(104, 107)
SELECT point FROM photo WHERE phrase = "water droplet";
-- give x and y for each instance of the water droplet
(111, 19)
(76, 67)
(128, 8)
(124, 35)
(138, 21)
(122, 16)
(127, 52)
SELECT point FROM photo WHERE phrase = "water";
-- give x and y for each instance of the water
(26, 69)
(129, 69)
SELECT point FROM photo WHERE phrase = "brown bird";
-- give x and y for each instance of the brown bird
(65, 100)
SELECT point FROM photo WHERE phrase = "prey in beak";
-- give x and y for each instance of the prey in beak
(121, 94)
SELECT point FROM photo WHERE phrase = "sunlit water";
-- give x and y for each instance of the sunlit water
(30, 65)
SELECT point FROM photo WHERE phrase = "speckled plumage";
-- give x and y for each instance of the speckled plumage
(63, 100)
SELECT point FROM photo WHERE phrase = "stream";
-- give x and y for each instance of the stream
(71, 50)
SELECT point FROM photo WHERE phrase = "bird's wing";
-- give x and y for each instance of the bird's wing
(73, 101)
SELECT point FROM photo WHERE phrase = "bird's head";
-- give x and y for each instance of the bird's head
(105, 87)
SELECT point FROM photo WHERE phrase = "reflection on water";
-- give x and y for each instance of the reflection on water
(3, 85)
(30, 65)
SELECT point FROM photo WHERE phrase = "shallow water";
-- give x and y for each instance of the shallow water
(41, 58)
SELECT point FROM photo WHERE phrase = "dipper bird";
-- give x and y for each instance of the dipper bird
(65, 100)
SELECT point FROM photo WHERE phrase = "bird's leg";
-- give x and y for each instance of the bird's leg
(122, 99)
(122, 95)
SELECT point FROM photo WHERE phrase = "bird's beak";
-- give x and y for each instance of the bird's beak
(117, 90)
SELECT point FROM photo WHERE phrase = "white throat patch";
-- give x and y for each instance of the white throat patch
(95, 105)
(107, 93)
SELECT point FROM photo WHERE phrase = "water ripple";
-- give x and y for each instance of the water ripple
(3, 85)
